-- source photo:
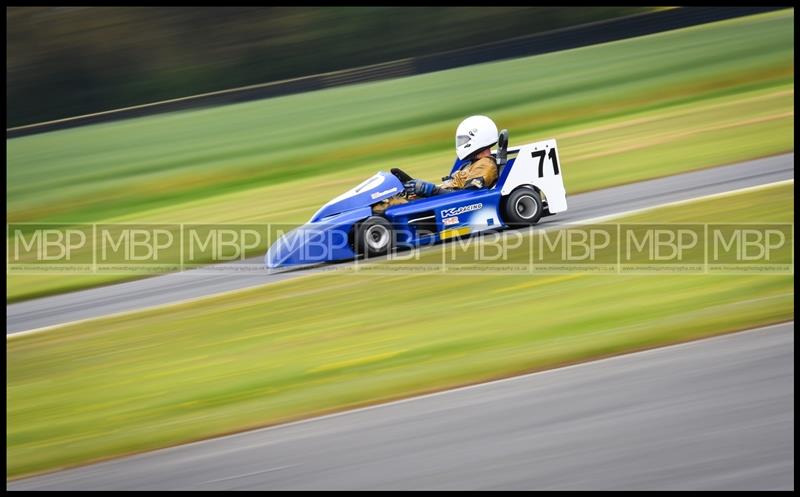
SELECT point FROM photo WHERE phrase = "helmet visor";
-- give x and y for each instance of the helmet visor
(462, 140)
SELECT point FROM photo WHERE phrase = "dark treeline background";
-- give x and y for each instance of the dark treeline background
(66, 61)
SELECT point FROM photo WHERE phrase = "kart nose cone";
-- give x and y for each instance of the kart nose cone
(311, 243)
(285, 251)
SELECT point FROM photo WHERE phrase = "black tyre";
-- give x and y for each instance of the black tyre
(523, 207)
(374, 236)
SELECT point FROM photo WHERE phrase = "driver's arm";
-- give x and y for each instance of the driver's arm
(480, 174)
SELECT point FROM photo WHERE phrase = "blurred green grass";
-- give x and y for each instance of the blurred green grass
(622, 112)
(333, 341)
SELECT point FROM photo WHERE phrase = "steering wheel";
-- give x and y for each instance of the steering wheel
(401, 175)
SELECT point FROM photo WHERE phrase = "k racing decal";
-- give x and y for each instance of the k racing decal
(454, 211)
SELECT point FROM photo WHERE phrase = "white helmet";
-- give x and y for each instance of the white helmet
(473, 134)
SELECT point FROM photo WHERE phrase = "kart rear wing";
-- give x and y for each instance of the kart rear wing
(538, 165)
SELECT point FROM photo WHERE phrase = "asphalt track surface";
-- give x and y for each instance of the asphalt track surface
(96, 302)
(715, 414)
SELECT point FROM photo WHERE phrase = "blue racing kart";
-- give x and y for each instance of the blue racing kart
(528, 187)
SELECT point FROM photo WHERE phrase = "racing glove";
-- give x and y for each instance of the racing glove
(420, 188)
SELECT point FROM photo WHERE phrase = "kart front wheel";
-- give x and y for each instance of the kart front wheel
(523, 207)
(373, 237)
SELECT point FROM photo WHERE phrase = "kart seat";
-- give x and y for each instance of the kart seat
(501, 156)
(502, 148)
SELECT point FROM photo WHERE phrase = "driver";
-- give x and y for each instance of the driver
(475, 137)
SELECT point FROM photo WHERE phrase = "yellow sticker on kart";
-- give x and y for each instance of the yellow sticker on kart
(452, 233)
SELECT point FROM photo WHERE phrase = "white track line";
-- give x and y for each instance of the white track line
(687, 201)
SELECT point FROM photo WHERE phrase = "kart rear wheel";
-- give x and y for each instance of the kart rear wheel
(373, 237)
(523, 207)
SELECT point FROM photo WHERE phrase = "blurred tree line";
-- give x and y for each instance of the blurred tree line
(67, 61)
